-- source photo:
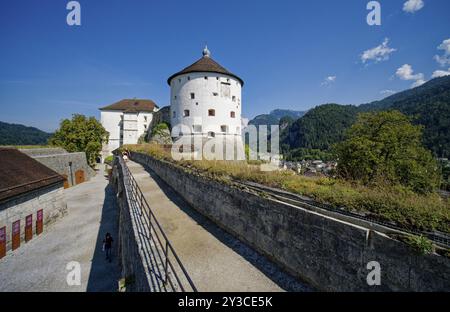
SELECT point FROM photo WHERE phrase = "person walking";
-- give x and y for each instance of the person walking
(107, 244)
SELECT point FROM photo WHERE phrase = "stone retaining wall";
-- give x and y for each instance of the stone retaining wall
(130, 254)
(66, 164)
(329, 254)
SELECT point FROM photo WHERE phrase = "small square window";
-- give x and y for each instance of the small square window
(179, 80)
(189, 78)
(186, 113)
(211, 112)
(174, 114)
(192, 96)
(232, 114)
(233, 98)
(206, 78)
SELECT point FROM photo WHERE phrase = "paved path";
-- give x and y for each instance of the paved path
(40, 265)
(214, 259)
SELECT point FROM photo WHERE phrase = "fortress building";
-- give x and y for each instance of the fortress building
(126, 121)
(206, 98)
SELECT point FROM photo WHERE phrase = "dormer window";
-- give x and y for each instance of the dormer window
(206, 78)
(215, 94)
(233, 98)
(211, 112)
(232, 114)
(174, 114)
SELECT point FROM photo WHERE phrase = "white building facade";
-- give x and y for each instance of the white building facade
(207, 99)
(126, 121)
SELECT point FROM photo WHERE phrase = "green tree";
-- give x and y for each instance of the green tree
(385, 148)
(81, 134)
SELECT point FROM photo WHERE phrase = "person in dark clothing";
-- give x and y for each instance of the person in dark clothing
(107, 244)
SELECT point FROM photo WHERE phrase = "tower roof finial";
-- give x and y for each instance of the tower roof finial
(206, 52)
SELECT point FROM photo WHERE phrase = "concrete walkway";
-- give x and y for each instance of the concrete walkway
(214, 259)
(40, 265)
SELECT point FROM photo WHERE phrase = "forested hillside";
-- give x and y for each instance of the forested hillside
(428, 105)
(14, 134)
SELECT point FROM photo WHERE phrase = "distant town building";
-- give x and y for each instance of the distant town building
(207, 99)
(31, 197)
(126, 121)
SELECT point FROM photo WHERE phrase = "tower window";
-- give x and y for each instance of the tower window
(215, 94)
(238, 129)
(192, 96)
(174, 114)
(186, 113)
(224, 128)
(232, 114)
(211, 112)
(233, 98)
(197, 128)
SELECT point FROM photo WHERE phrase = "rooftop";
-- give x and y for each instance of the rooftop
(19, 174)
(205, 64)
(132, 105)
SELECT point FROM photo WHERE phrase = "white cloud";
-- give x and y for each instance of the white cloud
(406, 72)
(379, 53)
(329, 80)
(387, 92)
(444, 59)
(441, 73)
(418, 83)
(412, 6)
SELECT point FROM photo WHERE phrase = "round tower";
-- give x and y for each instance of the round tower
(206, 98)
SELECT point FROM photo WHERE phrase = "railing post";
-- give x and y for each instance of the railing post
(167, 262)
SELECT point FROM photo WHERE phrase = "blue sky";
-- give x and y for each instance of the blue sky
(284, 50)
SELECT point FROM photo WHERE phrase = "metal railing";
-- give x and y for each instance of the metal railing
(440, 238)
(174, 274)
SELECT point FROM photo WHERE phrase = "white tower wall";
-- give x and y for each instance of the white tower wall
(211, 91)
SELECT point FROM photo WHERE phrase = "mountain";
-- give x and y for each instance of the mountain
(428, 105)
(14, 134)
(274, 117)
(321, 127)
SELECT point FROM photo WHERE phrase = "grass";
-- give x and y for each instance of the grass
(396, 204)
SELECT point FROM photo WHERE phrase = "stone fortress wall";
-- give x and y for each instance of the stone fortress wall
(72, 166)
(330, 254)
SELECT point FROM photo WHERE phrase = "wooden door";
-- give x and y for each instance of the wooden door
(79, 176)
(15, 235)
(66, 181)
(40, 222)
(28, 228)
(2, 242)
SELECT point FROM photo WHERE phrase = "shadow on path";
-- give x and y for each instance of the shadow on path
(270, 269)
(104, 275)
